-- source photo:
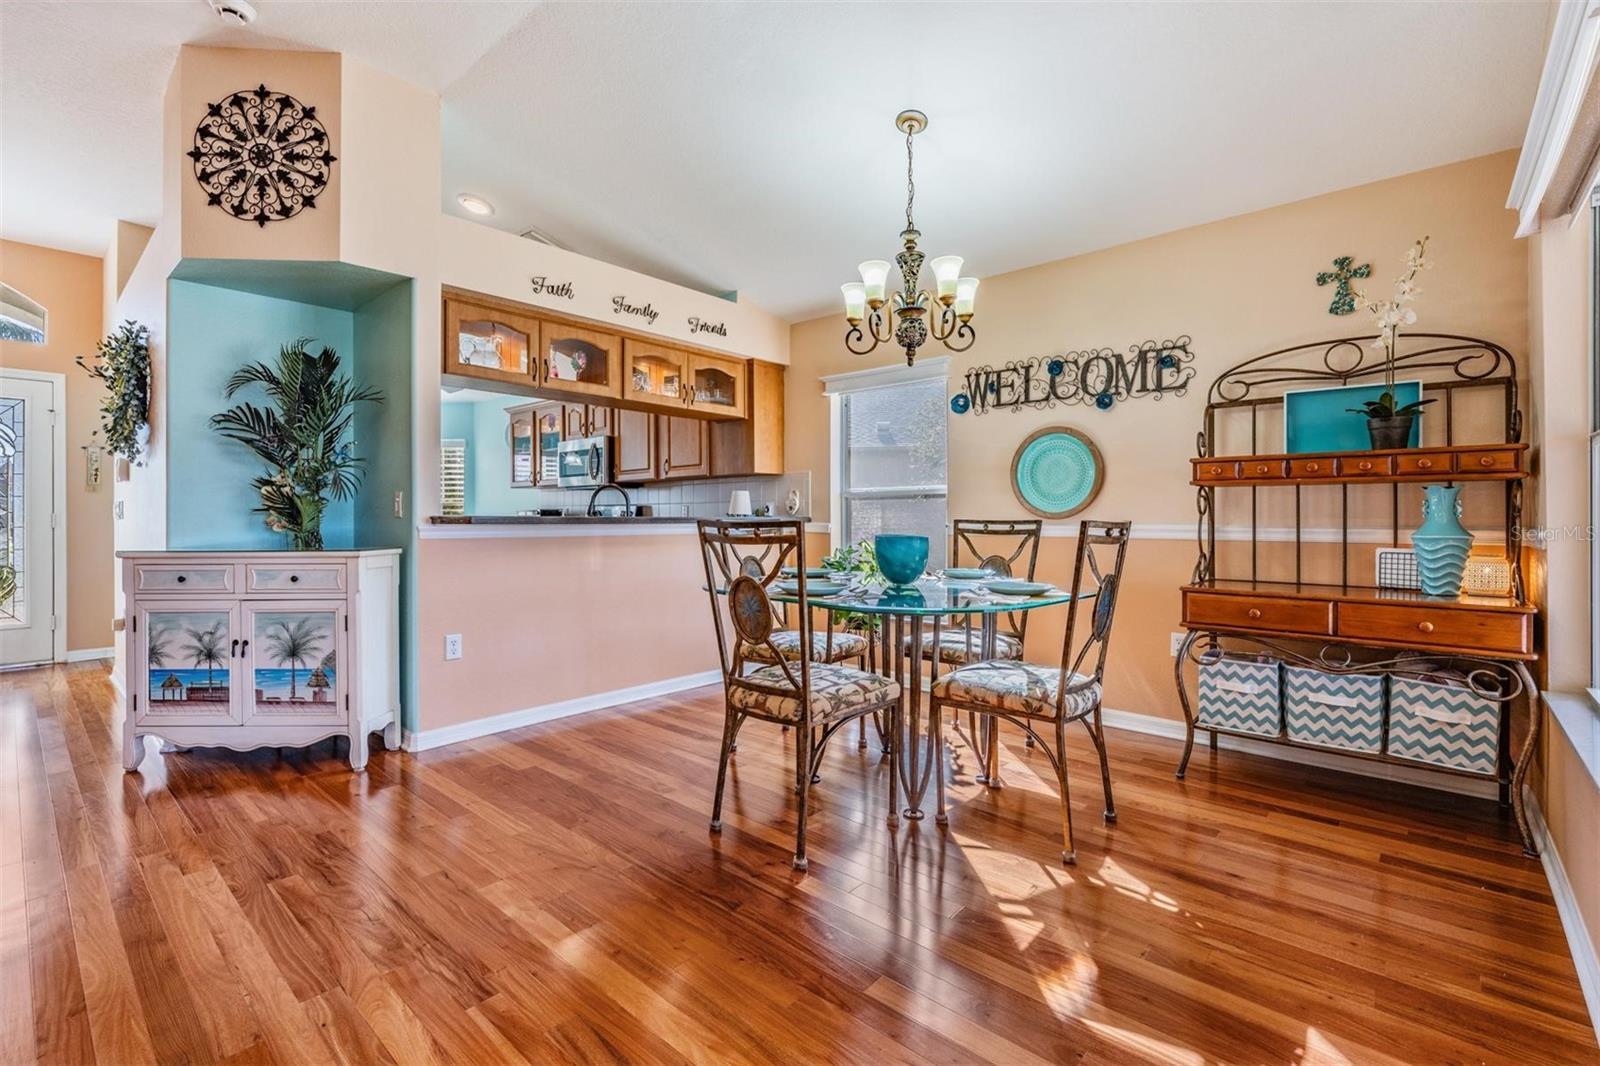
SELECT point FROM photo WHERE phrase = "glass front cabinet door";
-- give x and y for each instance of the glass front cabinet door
(187, 657)
(579, 362)
(293, 658)
(520, 429)
(717, 385)
(655, 374)
(484, 342)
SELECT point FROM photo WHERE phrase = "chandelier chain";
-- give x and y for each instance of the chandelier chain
(911, 185)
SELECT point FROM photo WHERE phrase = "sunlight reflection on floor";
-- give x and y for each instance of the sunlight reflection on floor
(1122, 881)
(1149, 1046)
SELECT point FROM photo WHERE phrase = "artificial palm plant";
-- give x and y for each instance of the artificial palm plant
(302, 438)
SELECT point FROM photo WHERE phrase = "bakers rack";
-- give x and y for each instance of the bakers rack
(1338, 623)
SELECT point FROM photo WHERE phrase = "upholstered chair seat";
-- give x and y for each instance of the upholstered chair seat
(957, 646)
(825, 647)
(1018, 688)
(836, 692)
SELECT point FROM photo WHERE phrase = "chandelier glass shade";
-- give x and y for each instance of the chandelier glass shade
(915, 313)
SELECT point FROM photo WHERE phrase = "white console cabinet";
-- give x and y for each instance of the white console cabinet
(249, 650)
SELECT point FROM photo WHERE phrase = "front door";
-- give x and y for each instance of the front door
(27, 519)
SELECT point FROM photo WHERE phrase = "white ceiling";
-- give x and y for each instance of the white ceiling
(749, 146)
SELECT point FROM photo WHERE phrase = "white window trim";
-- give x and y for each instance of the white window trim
(835, 386)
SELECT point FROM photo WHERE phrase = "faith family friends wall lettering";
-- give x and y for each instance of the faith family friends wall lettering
(549, 287)
(1100, 376)
(544, 285)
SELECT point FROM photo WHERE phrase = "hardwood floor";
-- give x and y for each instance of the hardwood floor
(553, 895)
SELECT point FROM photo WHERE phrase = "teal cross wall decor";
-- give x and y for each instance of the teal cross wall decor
(1344, 301)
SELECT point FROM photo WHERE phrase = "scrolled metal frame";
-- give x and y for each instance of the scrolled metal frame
(1444, 363)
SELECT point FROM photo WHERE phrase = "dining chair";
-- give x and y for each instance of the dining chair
(1005, 543)
(742, 559)
(1031, 696)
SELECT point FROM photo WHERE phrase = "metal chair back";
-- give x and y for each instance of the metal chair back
(741, 561)
(1102, 550)
(1017, 541)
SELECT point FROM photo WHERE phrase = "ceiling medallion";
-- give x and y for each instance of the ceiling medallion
(261, 156)
(955, 295)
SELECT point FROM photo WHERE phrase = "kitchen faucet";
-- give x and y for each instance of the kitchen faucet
(627, 504)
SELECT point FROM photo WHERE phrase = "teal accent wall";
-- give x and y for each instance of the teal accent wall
(489, 460)
(382, 354)
(456, 423)
(211, 332)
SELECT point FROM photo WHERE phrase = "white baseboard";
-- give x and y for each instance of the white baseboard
(1173, 729)
(549, 712)
(116, 683)
(1579, 943)
(83, 655)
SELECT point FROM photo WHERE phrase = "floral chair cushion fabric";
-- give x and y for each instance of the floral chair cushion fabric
(1017, 688)
(953, 646)
(836, 692)
(844, 646)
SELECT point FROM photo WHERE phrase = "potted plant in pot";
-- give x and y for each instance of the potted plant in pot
(1389, 422)
(303, 438)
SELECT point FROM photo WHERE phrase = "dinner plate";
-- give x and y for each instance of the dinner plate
(966, 573)
(814, 587)
(1019, 588)
(811, 571)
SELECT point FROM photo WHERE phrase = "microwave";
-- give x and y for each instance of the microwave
(583, 463)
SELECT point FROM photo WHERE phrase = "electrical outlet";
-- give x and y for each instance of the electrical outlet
(399, 505)
(1177, 641)
(452, 645)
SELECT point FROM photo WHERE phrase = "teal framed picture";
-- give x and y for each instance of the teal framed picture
(1319, 420)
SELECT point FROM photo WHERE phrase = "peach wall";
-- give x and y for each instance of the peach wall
(550, 619)
(69, 286)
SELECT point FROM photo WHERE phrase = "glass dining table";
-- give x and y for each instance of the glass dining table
(904, 615)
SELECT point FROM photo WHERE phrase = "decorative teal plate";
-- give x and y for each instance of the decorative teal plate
(1057, 472)
(966, 573)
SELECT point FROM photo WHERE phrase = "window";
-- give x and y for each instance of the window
(891, 443)
(453, 476)
(21, 319)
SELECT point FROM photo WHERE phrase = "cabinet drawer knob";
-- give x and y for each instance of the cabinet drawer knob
(1261, 468)
(1364, 465)
(1216, 470)
(294, 578)
(182, 578)
(1312, 468)
(1254, 612)
(1425, 627)
(1486, 460)
(1424, 464)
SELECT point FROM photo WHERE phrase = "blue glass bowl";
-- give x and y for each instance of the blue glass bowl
(901, 557)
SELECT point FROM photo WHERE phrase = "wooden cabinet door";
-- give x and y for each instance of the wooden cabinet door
(656, 374)
(636, 449)
(294, 663)
(579, 362)
(684, 445)
(484, 342)
(717, 385)
(574, 421)
(548, 426)
(752, 445)
(523, 447)
(184, 662)
(601, 422)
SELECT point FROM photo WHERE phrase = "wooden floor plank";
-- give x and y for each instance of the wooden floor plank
(552, 895)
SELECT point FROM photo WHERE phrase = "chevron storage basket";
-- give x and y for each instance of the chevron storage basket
(1343, 711)
(1443, 723)
(1241, 695)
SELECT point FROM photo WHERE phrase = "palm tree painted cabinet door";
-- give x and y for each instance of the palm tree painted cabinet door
(293, 663)
(185, 658)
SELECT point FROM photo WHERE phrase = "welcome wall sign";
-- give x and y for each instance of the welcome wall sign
(1102, 377)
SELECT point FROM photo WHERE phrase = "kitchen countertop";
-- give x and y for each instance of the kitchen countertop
(586, 520)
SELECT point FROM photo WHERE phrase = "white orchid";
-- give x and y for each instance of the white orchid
(1390, 315)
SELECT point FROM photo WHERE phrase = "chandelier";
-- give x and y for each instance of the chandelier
(864, 300)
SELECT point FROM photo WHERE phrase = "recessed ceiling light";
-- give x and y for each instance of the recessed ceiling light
(475, 204)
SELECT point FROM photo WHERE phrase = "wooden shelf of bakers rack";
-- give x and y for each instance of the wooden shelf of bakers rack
(1470, 462)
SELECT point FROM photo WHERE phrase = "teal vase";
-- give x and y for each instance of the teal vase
(1441, 543)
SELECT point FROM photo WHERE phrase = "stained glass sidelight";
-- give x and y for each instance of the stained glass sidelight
(13, 542)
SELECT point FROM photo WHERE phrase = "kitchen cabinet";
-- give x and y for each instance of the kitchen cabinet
(636, 451)
(655, 374)
(246, 650)
(717, 385)
(580, 420)
(521, 432)
(579, 362)
(752, 445)
(683, 446)
(548, 432)
(489, 343)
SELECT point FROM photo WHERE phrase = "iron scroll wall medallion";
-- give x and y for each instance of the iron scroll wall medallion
(1100, 377)
(261, 156)
(1057, 472)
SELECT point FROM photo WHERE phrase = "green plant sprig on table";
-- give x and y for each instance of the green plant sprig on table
(301, 438)
(860, 558)
(122, 365)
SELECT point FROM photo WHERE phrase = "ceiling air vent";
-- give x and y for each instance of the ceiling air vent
(535, 234)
